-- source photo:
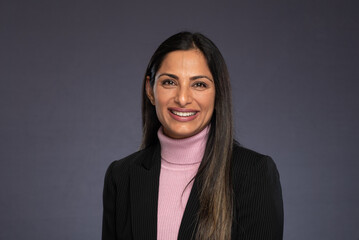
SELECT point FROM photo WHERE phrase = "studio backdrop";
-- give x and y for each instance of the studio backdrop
(71, 75)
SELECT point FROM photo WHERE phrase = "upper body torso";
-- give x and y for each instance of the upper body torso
(130, 197)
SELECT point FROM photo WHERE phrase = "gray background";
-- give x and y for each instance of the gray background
(71, 74)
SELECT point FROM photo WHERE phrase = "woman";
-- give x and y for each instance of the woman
(190, 180)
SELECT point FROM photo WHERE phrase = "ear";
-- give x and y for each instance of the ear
(149, 91)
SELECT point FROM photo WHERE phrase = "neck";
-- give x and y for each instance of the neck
(183, 151)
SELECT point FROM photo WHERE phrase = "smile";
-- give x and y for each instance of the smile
(183, 114)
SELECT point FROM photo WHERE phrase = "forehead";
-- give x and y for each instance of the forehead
(185, 61)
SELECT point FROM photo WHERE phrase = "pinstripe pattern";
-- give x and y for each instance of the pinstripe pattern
(258, 196)
(131, 192)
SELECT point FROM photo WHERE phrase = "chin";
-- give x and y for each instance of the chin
(183, 133)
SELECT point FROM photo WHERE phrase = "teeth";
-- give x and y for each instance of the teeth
(184, 114)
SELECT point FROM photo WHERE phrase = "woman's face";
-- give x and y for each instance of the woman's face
(183, 93)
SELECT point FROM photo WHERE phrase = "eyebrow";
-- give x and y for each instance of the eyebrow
(191, 78)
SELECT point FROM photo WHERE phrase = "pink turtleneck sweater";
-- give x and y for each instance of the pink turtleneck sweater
(180, 159)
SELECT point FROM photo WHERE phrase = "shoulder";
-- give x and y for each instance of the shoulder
(120, 169)
(241, 153)
(257, 195)
(247, 158)
(251, 165)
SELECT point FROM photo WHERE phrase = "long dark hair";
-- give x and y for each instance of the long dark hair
(214, 175)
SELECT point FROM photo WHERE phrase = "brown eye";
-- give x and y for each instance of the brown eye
(168, 82)
(200, 85)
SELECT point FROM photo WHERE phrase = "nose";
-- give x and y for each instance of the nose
(183, 96)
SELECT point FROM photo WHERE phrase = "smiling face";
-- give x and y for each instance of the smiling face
(183, 93)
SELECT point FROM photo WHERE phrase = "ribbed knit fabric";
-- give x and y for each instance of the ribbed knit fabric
(180, 159)
(130, 198)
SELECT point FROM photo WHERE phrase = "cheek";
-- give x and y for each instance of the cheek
(208, 101)
(161, 103)
(162, 97)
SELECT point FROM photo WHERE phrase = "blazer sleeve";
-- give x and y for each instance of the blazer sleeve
(109, 205)
(259, 202)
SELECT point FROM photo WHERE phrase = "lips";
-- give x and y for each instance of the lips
(183, 115)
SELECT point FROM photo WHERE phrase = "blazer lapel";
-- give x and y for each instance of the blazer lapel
(144, 182)
(189, 220)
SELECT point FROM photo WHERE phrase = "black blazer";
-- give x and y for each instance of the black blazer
(131, 192)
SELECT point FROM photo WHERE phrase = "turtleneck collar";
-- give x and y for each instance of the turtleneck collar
(185, 151)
